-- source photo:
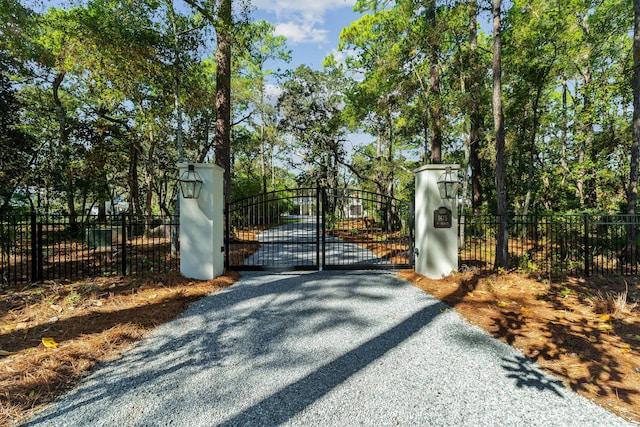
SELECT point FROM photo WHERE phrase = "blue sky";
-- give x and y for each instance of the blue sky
(312, 27)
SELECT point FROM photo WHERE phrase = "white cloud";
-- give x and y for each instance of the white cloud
(341, 56)
(313, 7)
(301, 21)
(272, 92)
(301, 33)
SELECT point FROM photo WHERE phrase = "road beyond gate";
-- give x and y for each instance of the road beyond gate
(316, 228)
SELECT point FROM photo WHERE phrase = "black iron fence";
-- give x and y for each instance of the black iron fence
(578, 245)
(37, 247)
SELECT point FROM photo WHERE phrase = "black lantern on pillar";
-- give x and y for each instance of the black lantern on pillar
(190, 183)
(448, 184)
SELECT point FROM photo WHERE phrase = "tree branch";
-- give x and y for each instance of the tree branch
(242, 119)
(202, 10)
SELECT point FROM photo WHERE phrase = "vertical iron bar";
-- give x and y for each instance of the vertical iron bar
(634, 249)
(113, 223)
(24, 250)
(155, 248)
(124, 243)
(150, 245)
(19, 247)
(411, 225)
(74, 255)
(34, 247)
(227, 234)
(40, 253)
(586, 245)
(78, 269)
(324, 227)
(318, 265)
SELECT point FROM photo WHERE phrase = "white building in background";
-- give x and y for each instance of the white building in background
(304, 205)
(355, 209)
(117, 206)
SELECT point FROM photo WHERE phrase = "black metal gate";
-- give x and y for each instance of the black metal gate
(317, 228)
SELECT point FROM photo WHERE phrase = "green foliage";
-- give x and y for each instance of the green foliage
(19, 148)
(566, 91)
(260, 47)
(310, 104)
(90, 98)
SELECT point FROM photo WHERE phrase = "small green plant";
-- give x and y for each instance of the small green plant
(526, 264)
(73, 297)
(564, 292)
(39, 293)
(51, 300)
(491, 286)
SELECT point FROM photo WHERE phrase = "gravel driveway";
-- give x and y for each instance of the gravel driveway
(321, 349)
(295, 244)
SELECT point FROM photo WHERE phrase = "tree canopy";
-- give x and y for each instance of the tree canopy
(103, 98)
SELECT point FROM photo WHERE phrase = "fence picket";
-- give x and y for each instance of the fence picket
(56, 247)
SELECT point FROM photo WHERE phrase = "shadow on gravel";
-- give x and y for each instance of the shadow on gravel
(294, 398)
(522, 370)
(243, 326)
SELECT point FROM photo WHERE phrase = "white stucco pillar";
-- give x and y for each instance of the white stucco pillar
(202, 226)
(436, 236)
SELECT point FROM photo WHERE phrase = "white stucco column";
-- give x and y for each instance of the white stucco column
(202, 226)
(436, 233)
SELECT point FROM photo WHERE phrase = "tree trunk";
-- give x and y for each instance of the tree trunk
(533, 153)
(134, 185)
(61, 116)
(263, 147)
(502, 256)
(222, 138)
(565, 130)
(434, 106)
(149, 173)
(632, 193)
(586, 182)
(474, 113)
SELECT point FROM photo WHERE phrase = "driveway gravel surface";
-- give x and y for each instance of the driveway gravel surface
(352, 348)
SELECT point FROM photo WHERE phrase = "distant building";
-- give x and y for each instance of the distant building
(355, 209)
(117, 206)
(304, 206)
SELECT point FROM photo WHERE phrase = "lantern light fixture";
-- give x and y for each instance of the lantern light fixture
(190, 183)
(448, 184)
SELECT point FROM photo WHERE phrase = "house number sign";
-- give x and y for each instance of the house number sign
(442, 218)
